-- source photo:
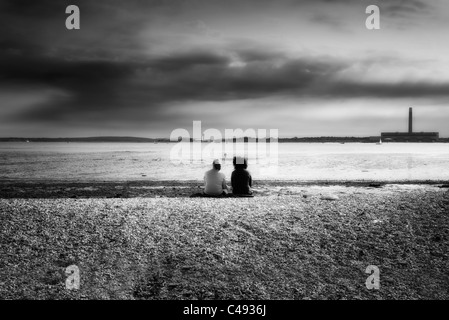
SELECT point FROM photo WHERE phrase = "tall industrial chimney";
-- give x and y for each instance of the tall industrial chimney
(410, 120)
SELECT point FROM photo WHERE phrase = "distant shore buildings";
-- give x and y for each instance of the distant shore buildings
(410, 136)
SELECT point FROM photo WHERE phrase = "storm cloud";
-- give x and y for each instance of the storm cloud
(129, 64)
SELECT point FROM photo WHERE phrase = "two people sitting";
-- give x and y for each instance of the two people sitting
(241, 180)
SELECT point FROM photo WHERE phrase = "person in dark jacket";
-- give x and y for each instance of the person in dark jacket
(241, 179)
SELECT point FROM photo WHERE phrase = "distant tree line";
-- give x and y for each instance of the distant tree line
(244, 139)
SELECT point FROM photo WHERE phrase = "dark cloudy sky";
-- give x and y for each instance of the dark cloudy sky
(145, 68)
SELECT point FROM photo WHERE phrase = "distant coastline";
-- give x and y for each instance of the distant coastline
(166, 140)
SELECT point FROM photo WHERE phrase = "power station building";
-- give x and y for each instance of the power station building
(410, 136)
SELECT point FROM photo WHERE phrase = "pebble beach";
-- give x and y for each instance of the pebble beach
(291, 241)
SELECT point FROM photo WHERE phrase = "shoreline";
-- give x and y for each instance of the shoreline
(169, 188)
(261, 181)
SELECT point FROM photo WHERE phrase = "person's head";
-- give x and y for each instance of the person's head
(240, 163)
(216, 164)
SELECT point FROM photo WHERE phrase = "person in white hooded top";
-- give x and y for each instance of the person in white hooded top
(215, 181)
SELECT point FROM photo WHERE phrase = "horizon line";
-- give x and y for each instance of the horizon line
(165, 138)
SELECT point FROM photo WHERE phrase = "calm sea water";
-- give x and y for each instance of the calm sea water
(296, 161)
